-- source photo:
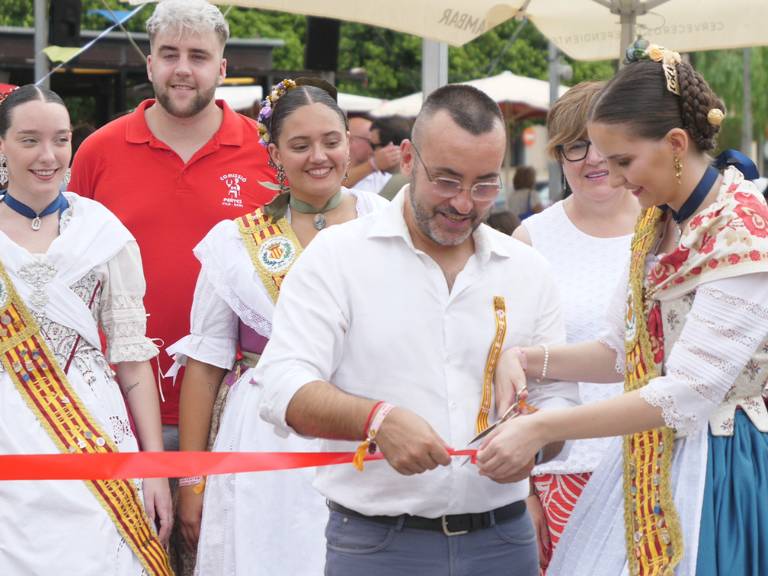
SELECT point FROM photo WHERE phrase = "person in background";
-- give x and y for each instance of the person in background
(231, 314)
(586, 240)
(504, 221)
(370, 166)
(523, 200)
(683, 492)
(79, 134)
(174, 167)
(388, 130)
(68, 271)
(360, 149)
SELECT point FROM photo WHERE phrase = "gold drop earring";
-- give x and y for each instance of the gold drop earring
(678, 168)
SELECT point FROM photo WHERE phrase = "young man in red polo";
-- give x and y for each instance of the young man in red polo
(176, 166)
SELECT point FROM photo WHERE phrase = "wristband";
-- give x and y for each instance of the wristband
(372, 162)
(370, 417)
(379, 413)
(197, 483)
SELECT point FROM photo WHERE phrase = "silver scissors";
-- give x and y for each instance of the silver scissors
(511, 412)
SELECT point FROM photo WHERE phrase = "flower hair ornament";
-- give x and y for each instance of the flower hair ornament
(278, 91)
(641, 49)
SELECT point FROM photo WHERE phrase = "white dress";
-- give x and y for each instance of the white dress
(587, 270)
(58, 527)
(261, 523)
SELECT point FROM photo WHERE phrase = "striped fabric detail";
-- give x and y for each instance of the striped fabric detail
(44, 387)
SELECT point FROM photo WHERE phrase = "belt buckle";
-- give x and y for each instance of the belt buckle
(447, 531)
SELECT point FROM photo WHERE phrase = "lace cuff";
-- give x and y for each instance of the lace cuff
(722, 331)
(123, 317)
(124, 322)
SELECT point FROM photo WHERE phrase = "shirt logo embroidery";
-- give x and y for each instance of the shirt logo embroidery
(233, 182)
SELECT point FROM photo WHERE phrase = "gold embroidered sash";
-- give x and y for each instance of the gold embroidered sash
(652, 527)
(272, 246)
(44, 387)
(500, 314)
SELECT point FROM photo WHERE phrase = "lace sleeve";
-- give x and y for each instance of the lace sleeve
(123, 317)
(726, 324)
(612, 334)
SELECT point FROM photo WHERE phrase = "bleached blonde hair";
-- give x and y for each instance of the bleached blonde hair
(187, 16)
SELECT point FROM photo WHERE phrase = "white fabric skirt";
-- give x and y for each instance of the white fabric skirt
(262, 523)
(59, 527)
(593, 543)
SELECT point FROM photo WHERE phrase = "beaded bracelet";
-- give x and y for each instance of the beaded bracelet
(545, 364)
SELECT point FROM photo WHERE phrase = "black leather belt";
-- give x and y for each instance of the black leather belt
(450, 525)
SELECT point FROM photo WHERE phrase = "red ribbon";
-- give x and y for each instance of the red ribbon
(123, 465)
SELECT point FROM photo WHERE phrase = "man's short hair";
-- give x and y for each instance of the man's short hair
(392, 129)
(470, 108)
(182, 16)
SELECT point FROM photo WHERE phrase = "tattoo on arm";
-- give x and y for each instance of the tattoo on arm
(127, 389)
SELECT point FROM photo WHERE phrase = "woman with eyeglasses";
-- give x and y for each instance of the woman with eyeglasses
(586, 239)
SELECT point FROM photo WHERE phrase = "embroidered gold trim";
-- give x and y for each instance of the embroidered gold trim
(272, 246)
(652, 528)
(42, 384)
(500, 315)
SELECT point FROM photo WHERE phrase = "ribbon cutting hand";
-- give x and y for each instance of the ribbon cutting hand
(508, 452)
(409, 443)
(509, 381)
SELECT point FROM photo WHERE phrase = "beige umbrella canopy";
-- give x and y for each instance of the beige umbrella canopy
(519, 97)
(583, 29)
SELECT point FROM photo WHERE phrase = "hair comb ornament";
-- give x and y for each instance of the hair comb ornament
(267, 105)
(641, 49)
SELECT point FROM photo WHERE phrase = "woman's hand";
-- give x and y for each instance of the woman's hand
(190, 515)
(509, 380)
(539, 519)
(159, 507)
(508, 453)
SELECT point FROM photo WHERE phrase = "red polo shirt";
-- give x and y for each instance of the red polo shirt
(169, 206)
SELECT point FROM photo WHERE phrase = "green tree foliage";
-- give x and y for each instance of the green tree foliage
(723, 69)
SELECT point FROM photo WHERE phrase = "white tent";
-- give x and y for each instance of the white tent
(519, 96)
(243, 97)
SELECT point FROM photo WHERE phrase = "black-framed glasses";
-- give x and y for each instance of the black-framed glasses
(447, 187)
(574, 151)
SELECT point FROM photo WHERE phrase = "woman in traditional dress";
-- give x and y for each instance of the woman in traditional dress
(67, 268)
(269, 522)
(684, 491)
(586, 239)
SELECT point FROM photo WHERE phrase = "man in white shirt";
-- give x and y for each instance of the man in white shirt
(405, 306)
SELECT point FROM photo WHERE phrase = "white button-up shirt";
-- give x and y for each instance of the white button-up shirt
(367, 311)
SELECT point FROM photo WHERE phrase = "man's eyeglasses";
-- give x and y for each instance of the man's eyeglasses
(447, 188)
(574, 151)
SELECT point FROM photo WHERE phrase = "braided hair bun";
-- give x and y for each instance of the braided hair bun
(638, 96)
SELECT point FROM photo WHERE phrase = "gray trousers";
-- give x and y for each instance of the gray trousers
(360, 547)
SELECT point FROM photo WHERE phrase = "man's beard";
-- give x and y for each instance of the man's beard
(424, 217)
(199, 102)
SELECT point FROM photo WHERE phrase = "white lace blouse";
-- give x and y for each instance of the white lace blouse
(67, 282)
(716, 354)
